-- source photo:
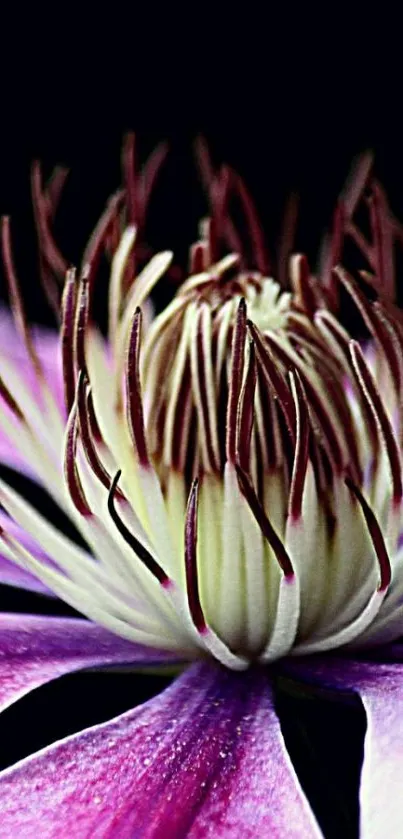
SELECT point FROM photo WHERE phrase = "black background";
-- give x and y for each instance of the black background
(288, 99)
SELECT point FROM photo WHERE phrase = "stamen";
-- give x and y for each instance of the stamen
(300, 281)
(71, 474)
(375, 533)
(54, 189)
(371, 319)
(97, 241)
(69, 302)
(245, 421)
(382, 241)
(357, 181)
(86, 432)
(15, 298)
(275, 379)
(203, 384)
(130, 178)
(370, 391)
(301, 447)
(141, 552)
(258, 247)
(134, 404)
(266, 527)
(327, 426)
(192, 582)
(237, 366)
(151, 171)
(50, 251)
(81, 320)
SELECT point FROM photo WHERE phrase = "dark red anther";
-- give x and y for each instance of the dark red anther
(197, 258)
(212, 236)
(81, 321)
(54, 188)
(134, 402)
(15, 296)
(370, 316)
(375, 533)
(301, 447)
(99, 237)
(151, 171)
(237, 366)
(343, 342)
(356, 182)
(276, 382)
(192, 582)
(83, 393)
(315, 402)
(70, 466)
(137, 547)
(301, 283)
(246, 411)
(130, 178)
(259, 252)
(201, 365)
(49, 249)
(336, 244)
(69, 301)
(383, 241)
(265, 525)
(371, 393)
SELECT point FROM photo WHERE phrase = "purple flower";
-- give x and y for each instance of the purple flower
(234, 467)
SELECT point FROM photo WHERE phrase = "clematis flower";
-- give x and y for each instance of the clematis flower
(233, 464)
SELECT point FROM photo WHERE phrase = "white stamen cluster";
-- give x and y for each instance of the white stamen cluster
(235, 472)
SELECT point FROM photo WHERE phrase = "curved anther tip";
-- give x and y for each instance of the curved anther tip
(114, 484)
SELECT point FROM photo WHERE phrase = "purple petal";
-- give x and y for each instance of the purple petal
(204, 759)
(12, 574)
(380, 686)
(35, 650)
(46, 342)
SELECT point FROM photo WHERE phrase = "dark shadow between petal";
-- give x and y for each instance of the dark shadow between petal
(324, 734)
(70, 704)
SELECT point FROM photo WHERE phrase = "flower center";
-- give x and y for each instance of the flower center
(187, 367)
(236, 474)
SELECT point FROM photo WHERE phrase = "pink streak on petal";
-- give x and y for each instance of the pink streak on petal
(10, 573)
(34, 650)
(380, 686)
(203, 759)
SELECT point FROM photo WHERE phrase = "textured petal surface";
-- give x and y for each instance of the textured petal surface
(35, 650)
(12, 574)
(203, 759)
(380, 686)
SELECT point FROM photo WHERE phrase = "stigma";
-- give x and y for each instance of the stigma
(233, 463)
